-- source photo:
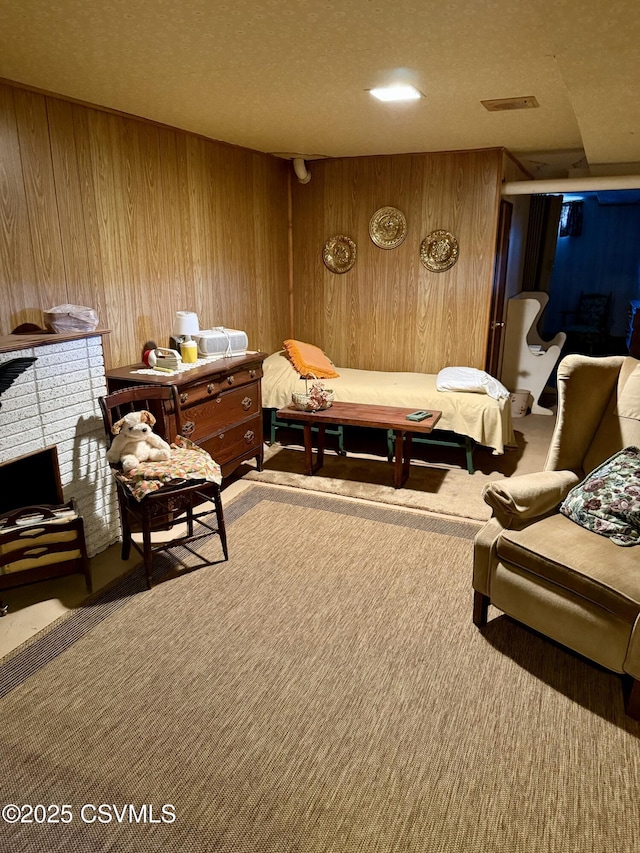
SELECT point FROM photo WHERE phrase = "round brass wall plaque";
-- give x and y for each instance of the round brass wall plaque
(388, 227)
(439, 251)
(339, 253)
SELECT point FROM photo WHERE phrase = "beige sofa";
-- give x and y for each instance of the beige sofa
(543, 569)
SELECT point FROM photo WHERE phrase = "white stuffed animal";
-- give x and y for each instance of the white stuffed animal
(135, 441)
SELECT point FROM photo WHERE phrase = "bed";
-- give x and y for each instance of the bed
(467, 417)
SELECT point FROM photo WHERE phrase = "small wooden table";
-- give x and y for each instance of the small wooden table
(362, 415)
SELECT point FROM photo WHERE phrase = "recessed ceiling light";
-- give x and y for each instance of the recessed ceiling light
(396, 93)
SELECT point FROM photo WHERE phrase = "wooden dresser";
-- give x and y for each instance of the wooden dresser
(221, 405)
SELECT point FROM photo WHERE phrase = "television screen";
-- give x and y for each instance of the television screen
(29, 480)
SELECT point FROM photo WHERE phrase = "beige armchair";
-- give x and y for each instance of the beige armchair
(544, 570)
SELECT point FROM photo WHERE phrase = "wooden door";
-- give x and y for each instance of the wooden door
(493, 362)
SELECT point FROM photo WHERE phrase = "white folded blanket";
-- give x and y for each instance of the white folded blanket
(470, 379)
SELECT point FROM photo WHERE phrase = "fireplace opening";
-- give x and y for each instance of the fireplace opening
(30, 479)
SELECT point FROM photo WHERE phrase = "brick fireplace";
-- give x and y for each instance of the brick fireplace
(55, 403)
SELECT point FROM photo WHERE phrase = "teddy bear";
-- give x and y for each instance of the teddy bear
(136, 442)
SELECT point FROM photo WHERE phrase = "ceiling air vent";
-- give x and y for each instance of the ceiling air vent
(527, 103)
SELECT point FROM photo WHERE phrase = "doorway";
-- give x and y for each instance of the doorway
(602, 255)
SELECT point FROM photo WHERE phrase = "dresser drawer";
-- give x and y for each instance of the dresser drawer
(206, 389)
(240, 440)
(221, 411)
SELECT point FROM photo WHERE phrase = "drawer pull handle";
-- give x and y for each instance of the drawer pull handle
(184, 397)
(247, 403)
(230, 380)
(249, 436)
(252, 374)
(210, 388)
(221, 436)
(188, 428)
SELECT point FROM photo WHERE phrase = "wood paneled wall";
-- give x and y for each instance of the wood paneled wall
(389, 312)
(137, 221)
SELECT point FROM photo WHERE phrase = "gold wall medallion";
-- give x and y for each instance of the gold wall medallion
(339, 253)
(439, 251)
(388, 227)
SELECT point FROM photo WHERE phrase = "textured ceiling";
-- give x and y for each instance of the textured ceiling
(290, 76)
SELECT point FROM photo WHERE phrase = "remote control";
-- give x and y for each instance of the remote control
(418, 416)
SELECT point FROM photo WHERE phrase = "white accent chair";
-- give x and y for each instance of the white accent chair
(528, 360)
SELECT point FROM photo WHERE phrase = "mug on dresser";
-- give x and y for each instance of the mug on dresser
(189, 352)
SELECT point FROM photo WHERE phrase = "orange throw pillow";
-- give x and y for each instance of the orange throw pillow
(308, 359)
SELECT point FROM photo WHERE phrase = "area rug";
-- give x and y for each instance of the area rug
(323, 690)
(434, 488)
(438, 479)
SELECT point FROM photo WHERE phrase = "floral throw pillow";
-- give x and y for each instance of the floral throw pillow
(608, 500)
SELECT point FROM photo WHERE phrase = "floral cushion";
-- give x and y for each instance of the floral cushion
(608, 500)
(187, 462)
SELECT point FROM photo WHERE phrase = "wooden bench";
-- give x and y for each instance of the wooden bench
(391, 418)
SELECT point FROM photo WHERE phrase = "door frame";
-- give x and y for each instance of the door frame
(495, 340)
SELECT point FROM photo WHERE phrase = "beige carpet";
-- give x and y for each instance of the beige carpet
(323, 690)
(438, 481)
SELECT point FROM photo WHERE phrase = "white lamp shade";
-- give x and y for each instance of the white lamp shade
(186, 323)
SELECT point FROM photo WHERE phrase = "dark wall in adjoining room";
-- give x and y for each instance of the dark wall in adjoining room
(604, 257)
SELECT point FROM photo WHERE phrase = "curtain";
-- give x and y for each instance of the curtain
(542, 236)
(570, 219)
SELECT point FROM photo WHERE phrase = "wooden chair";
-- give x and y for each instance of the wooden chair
(172, 504)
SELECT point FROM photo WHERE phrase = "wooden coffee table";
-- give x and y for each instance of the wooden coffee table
(362, 415)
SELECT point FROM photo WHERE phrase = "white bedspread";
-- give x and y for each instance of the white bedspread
(479, 416)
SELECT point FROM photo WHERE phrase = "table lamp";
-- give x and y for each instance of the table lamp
(185, 326)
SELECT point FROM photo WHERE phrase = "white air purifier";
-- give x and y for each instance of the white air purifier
(221, 342)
